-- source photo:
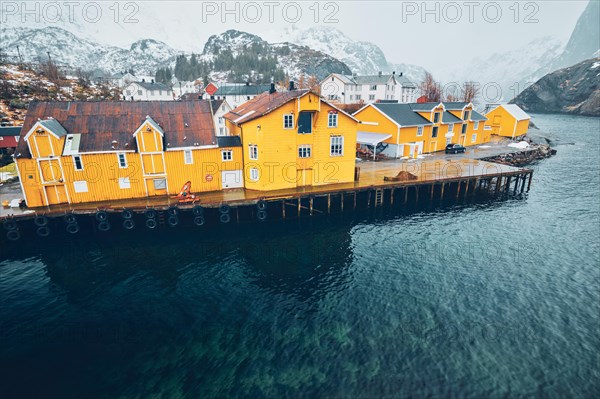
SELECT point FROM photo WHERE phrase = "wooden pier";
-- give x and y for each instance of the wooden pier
(434, 182)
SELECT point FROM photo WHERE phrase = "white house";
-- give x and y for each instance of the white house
(181, 87)
(148, 91)
(349, 89)
(221, 107)
(235, 93)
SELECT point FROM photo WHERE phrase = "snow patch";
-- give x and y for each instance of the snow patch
(520, 145)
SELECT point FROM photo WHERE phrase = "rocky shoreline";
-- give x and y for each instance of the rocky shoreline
(534, 152)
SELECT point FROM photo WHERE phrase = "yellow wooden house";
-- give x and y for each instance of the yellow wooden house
(508, 120)
(73, 152)
(294, 139)
(417, 128)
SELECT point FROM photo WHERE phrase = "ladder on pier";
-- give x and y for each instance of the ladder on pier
(379, 197)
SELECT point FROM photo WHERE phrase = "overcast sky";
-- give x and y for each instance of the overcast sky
(406, 31)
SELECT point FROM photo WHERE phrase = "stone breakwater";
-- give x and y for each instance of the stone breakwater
(534, 152)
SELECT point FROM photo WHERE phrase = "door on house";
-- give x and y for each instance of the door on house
(153, 164)
(304, 177)
(51, 171)
(462, 140)
(232, 179)
(56, 194)
(433, 146)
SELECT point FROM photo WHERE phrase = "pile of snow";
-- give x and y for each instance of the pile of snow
(485, 146)
(6, 175)
(521, 145)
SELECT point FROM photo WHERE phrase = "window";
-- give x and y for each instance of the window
(434, 132)
(254, 175)
(187, 157)
(151, 92)
(436, 117)
(160, 184)
(122, 160)
(371, 96)
(288, 121)
(139, 92)
(332, 120)
(221, 131)
(253, 150)
(80, 186)
(358, 97)
(128, 92)
(220, 120)
(124, 183)
(464, 129)
(336, 146)
(476, 126)
(450, 127)
(351, 97)
(305, 122)
(226, 155)
(419, 130)
(78, 163)
(474, 138)
(160, 92)
(304, 151)
(373, 87)
(467, 115)
(248, 98)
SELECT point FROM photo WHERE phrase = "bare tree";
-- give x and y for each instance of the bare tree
(470, 91)
(83, 78)
(431, 89)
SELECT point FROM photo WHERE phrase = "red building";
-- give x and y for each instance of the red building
(9, 138)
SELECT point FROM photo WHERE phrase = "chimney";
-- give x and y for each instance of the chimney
(292, 85)
(143, 80)
(272, 89)
(153, 81)
(400, 73)
(247, 83)
(394, 73)
(379, 73)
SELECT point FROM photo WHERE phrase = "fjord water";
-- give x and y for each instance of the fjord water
(489, 300)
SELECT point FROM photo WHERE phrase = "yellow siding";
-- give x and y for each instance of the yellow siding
(278, 163)
(384, 125)
(504, 124)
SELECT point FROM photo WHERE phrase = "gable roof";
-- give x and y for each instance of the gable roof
(262, 105)
(152, 86)
(10, 131)
(476, 116)
(424, 107)
(402, 114)
(516, 111)
(455, 105)
(185, 123)
(448, 117)
(242, 90)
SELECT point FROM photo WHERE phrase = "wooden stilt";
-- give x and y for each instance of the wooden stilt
(392, 196)
(405, 195)
(416, 194)
(498, 183)
(458, 190)
(467, 188)
(523, 184)
(283, 209)
(299, 205)
(529, 184)
(507, 184)
(516, 185)
(431, 194)
(355, 200)
(369, 200)
(310, 202)
(342, 202)
(237, 215)
(442, 192)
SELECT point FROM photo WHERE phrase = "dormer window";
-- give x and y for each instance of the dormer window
(467, 115)
(436, 117)
(122, 160)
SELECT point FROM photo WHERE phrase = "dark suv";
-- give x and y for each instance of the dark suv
(455, 149)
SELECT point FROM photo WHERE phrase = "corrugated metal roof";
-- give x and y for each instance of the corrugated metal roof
(447, 117)
(185, 123)
(152, 86)
(262, 105)
(455, 105)
(516, 111)
(402, 114)
(476, 116)
(242, 90)
(423, 107)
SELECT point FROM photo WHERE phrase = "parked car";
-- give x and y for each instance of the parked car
(455, 149)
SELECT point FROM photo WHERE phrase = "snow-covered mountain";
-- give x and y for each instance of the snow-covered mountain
(146, 56)
(292, 58)
(361, 57)
(511, 71)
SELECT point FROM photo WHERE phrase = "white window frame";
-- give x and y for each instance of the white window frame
(227, 155)
(451, 128)
(80, 186)
(332, 120)
(254, 174)
(439, 117)
(437, 132)
(122, 165)
(75, 158)
(253, 152)
(464, 128)
(305, 151)
(420, 130)
(124, 183)
(188, 157)
(336, 146)
(466, 115)
(474, 138)
(476, 125)
(285, 121)
(371, 97)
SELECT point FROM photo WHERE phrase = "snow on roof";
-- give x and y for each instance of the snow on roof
(516, 111)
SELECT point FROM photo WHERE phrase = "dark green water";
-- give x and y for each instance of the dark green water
(491, 300)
